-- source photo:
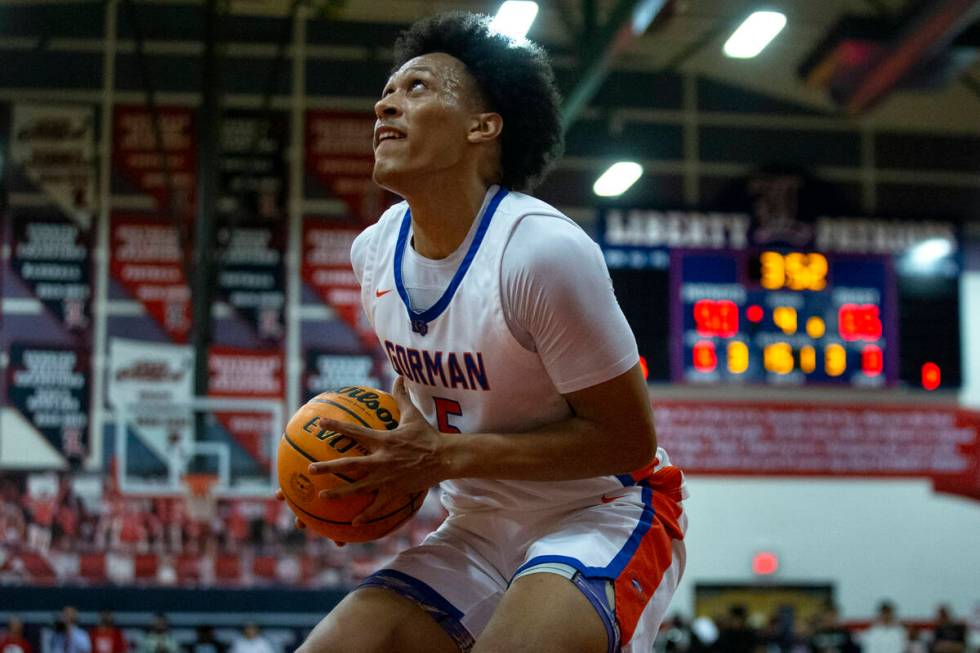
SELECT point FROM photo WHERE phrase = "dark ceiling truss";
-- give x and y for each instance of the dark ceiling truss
(627, 20)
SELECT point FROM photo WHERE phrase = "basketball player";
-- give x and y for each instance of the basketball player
(518, 380)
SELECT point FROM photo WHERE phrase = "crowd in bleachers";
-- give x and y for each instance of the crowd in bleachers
(823, 632)
(733, 632)
(66, 633)
(55, 537)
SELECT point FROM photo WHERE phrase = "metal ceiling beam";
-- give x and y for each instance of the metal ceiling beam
(627, 20)
(931, 30)
(204, 274)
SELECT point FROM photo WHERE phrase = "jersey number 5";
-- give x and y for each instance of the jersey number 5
(445, 408)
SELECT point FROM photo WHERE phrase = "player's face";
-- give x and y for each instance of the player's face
(423, 118)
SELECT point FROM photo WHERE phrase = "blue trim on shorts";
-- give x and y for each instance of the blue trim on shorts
(591, 586)
(614, 568)
(446, 615)
(594, 590)
(626, 480)
(633, 543)
(597, 572)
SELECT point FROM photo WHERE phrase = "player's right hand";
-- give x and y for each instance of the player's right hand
(298, 522)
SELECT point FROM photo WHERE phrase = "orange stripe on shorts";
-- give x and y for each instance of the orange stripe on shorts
(641, 577)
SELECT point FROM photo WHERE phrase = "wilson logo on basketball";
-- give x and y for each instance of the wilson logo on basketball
(370, 401)
(304, 442)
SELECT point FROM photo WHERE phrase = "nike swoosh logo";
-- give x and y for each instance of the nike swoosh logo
(381, 293)
(606, 499)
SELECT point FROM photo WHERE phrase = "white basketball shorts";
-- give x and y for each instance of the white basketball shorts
(624, 550)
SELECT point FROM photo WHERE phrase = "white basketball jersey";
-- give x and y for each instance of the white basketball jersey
(462, 366)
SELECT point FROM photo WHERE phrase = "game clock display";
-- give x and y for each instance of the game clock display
(782, 317)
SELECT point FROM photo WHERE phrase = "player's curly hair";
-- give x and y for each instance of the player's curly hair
(515, 78)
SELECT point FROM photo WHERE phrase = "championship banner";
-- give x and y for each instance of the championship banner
(247, 374)
(252, 221)
(340, 155)
(329, 371)
(142, 373)
(253, 163)
(146, 259)
(252, 278)
(327, 269)
(54, 146)
(135, 155)
(770, 439)
(53, 259)
(49, 387)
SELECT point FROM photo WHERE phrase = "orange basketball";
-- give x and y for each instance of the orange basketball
(304, 442)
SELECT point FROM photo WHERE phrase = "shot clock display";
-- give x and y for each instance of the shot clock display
(782, 317)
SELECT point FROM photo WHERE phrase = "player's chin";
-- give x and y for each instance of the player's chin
(389, 175)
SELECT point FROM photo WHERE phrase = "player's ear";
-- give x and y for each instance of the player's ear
(485, 127)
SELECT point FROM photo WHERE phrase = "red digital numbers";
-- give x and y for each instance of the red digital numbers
(705, 356)
(716, 318)
(859, 322)
(872, 360)
(931, 376)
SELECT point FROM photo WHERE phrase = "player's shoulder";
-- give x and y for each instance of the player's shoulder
(519, 204)
(540, 229)
(544, 239)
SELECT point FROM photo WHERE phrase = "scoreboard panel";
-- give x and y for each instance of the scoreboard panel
(766, 295)
(782, 317)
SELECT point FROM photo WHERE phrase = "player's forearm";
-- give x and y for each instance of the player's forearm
(573, 448)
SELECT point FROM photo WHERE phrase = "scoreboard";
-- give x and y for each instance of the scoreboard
(782, 317)
(726, 298)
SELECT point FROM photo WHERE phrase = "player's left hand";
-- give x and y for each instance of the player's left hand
(405, 460)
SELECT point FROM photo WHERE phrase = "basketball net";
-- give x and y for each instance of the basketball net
(199, 496)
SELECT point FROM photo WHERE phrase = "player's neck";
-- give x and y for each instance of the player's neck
(442, 215)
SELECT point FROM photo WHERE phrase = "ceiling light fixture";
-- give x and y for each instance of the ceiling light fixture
(617, 179)
(754, 34)
(514, 18)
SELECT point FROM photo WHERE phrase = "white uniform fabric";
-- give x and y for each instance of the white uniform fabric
(468, 367)
(469, 372)
(460, 572)
(555, 294)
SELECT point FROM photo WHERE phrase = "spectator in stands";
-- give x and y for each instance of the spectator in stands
(949, 637)
(13, 523)
(14, 641)
(830, 636)
(252, 641)
(676, 637)
(67, 636)
(886, 634)
(106, 637)
(41, 509)
(206, 641)
(779, 634)
(735, 634)
(159, 639)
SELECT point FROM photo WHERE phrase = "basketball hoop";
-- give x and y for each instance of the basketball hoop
(199, 496)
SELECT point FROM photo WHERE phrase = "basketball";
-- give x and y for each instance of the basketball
(304, 442)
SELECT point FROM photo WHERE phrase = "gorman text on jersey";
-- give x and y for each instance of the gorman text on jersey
(462, 370)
